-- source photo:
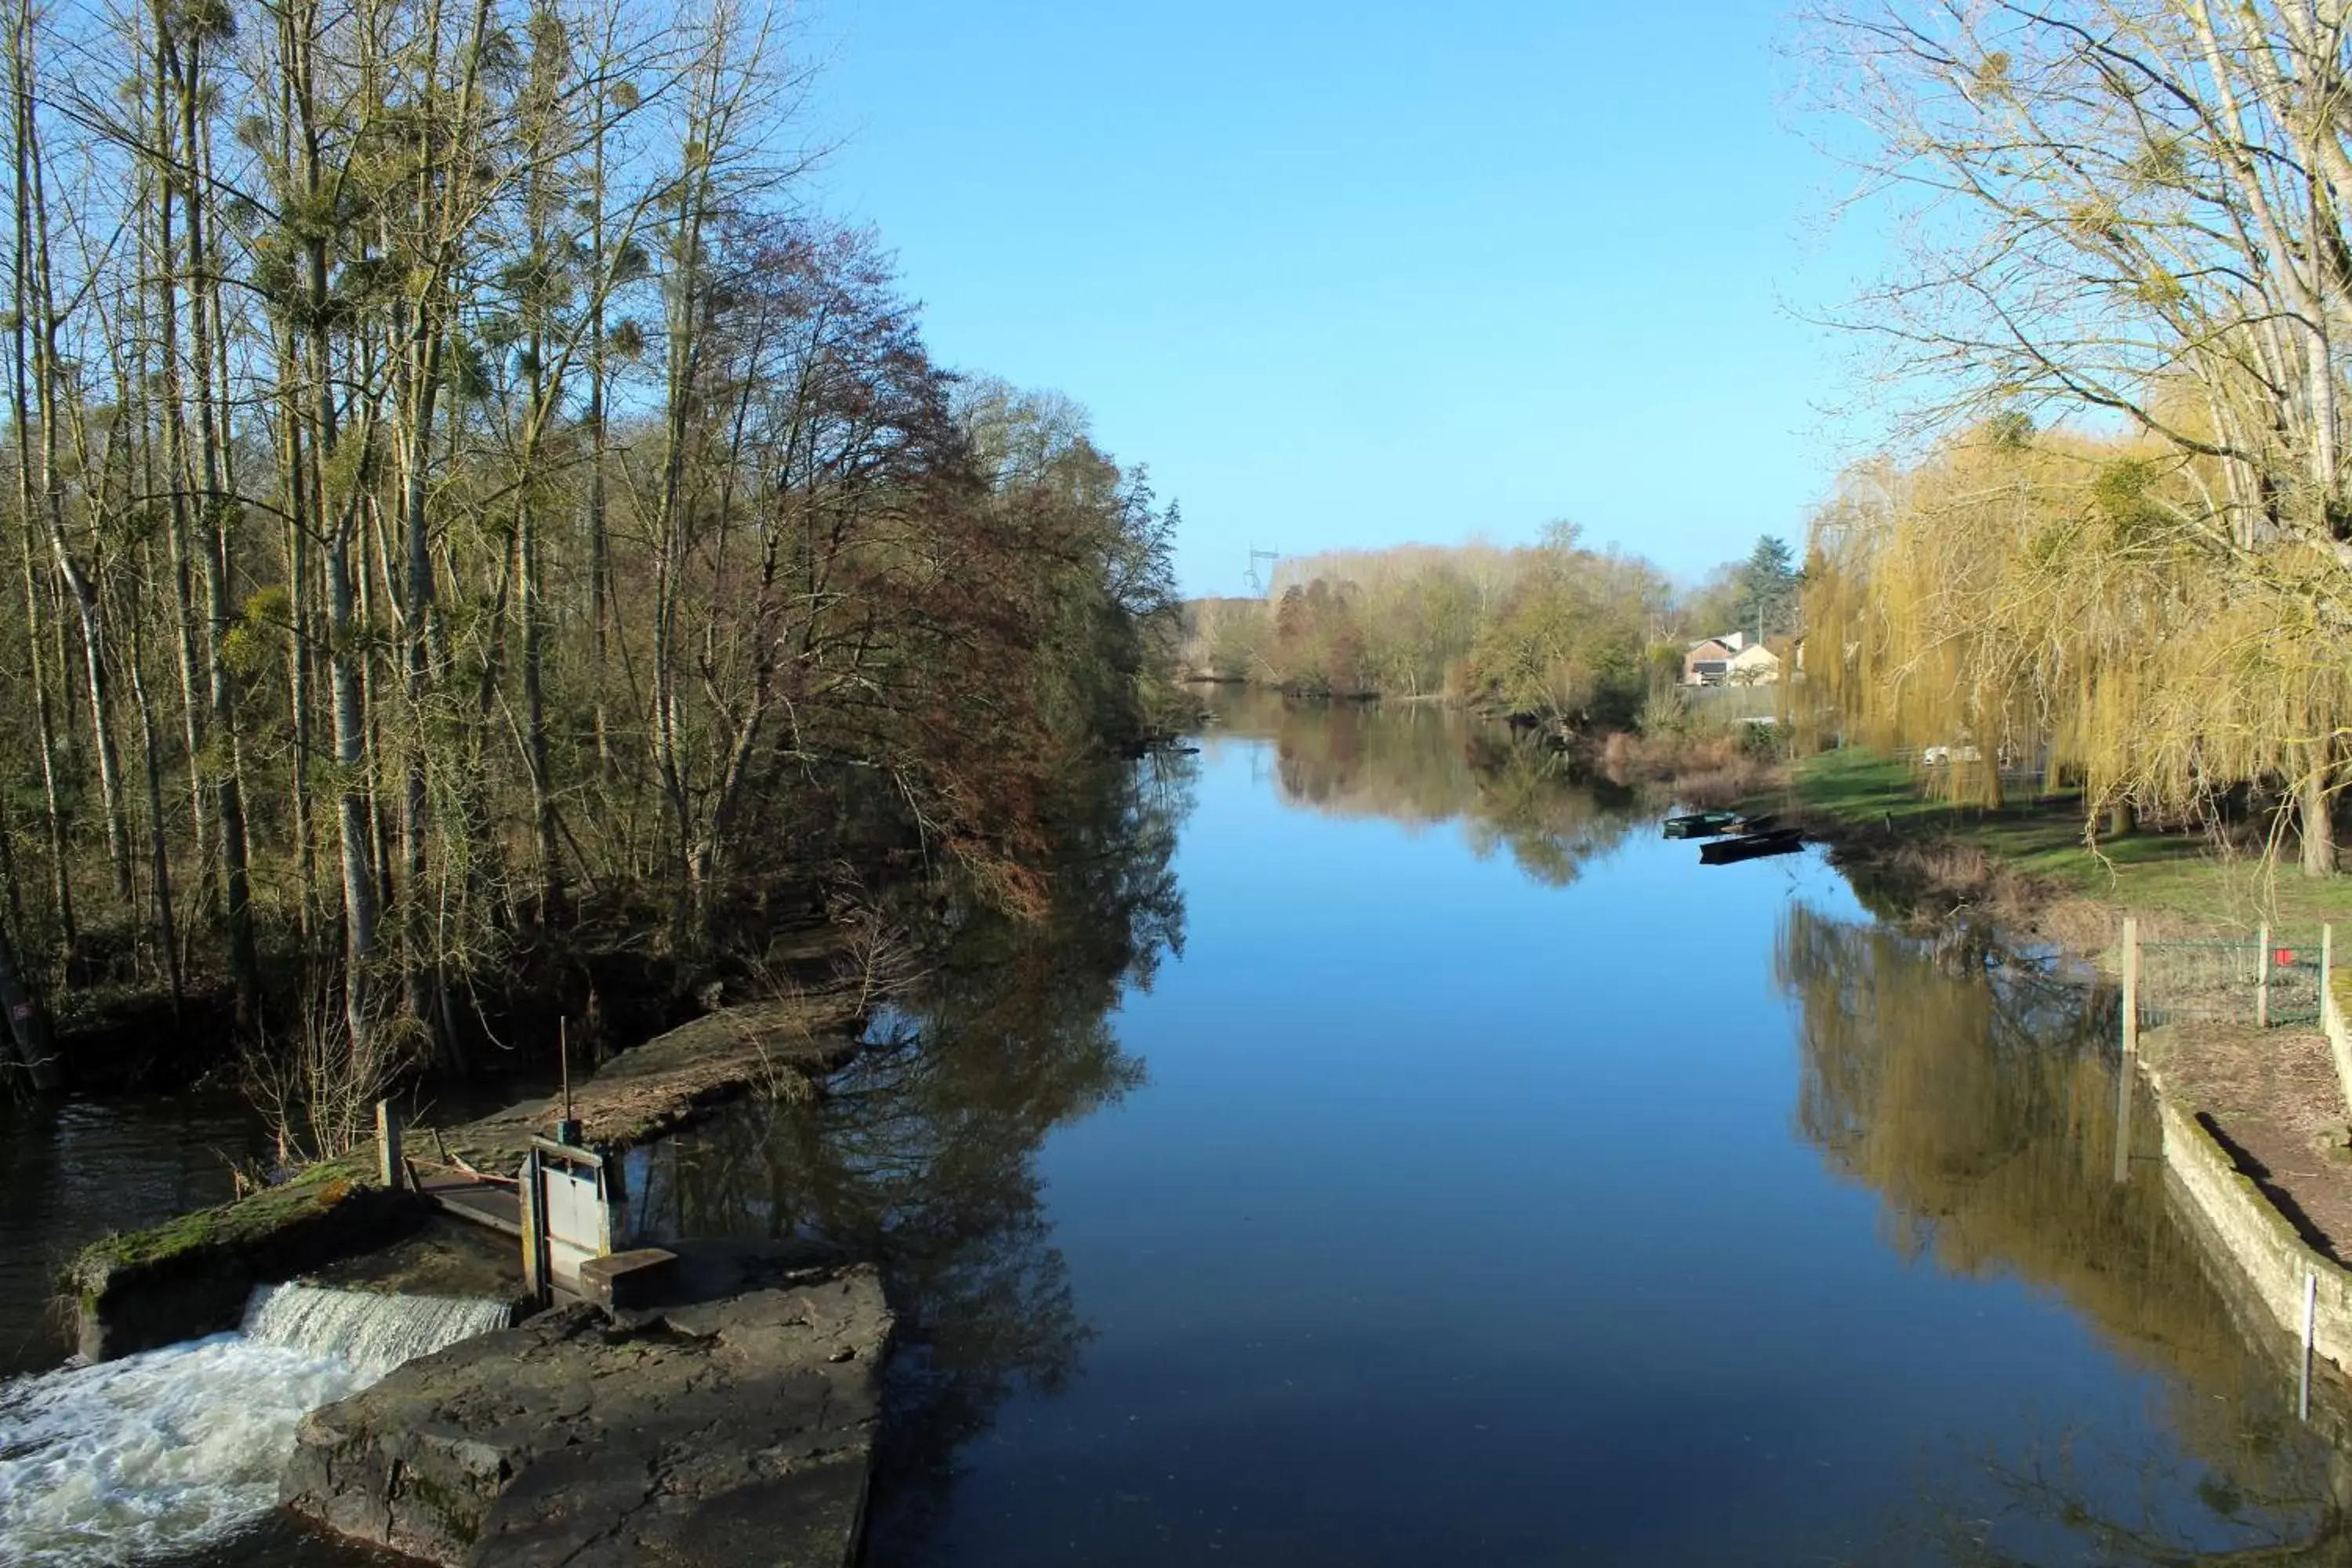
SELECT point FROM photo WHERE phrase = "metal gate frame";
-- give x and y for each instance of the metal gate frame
(567, 1215)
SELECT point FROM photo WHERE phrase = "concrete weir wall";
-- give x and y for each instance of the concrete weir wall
(2235, 1215)
(2274, 1260)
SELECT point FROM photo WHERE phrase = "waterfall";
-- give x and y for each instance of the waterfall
(173, 1452)
(370, 1330)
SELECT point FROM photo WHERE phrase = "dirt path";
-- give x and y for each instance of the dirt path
(2272, 1098)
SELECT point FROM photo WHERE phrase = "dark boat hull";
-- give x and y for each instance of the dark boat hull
(1749, 845)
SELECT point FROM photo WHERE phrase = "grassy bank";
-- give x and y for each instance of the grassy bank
(2027, 865)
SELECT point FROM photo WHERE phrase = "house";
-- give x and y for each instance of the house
(1757, 664)
(1708, 662)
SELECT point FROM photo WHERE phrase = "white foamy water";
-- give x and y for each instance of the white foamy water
(158, 1452)
(174, 1449)
(373, 1332)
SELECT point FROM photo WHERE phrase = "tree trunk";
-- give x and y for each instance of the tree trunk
(335, 517)
(685, 304)
(180, 474)
(421, 958)
(445, 158)
(37, 298)
(21, 410)
(220, 510)
(159, 854)
(599, 566)
(534, 702)
(294, 495)
(2315, 804)
(45, 729)
(351, 793)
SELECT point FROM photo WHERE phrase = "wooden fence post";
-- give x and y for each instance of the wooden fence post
(2262, 980)
(389, 1165)
(2131, 985)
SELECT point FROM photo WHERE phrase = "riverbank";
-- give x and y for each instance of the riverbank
(1707, 771)
(2025, 867)
(2251, 1122)
(2250, 1127)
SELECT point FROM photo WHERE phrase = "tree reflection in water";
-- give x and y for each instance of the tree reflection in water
(922, 1153)
(1978, 1098)
(1422, 765)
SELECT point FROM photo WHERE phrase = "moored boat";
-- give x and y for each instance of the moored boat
(1748, 846)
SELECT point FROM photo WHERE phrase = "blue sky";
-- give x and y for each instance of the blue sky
(1359, 274)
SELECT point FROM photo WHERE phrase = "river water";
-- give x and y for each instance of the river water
(1389, 1151)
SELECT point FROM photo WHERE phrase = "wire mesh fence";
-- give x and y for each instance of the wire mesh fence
(2269, 978)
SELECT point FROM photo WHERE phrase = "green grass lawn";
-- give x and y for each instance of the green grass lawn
(2170, 873)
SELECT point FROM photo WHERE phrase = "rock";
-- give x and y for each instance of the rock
(732, 1431)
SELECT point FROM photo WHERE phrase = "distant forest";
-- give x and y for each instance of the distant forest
(1552, 629)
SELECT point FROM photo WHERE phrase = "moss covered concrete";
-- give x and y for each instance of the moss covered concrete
(317, 1188)
(191, 1276)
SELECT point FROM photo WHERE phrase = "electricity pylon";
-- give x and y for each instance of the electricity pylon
(1256, 555)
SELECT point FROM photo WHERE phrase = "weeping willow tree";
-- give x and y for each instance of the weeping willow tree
(2134, 209)
(2063, 602)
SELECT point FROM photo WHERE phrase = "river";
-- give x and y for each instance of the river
(1391, 1153)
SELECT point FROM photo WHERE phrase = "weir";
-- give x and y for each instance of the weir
(372, 1330)
(174, 1451)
